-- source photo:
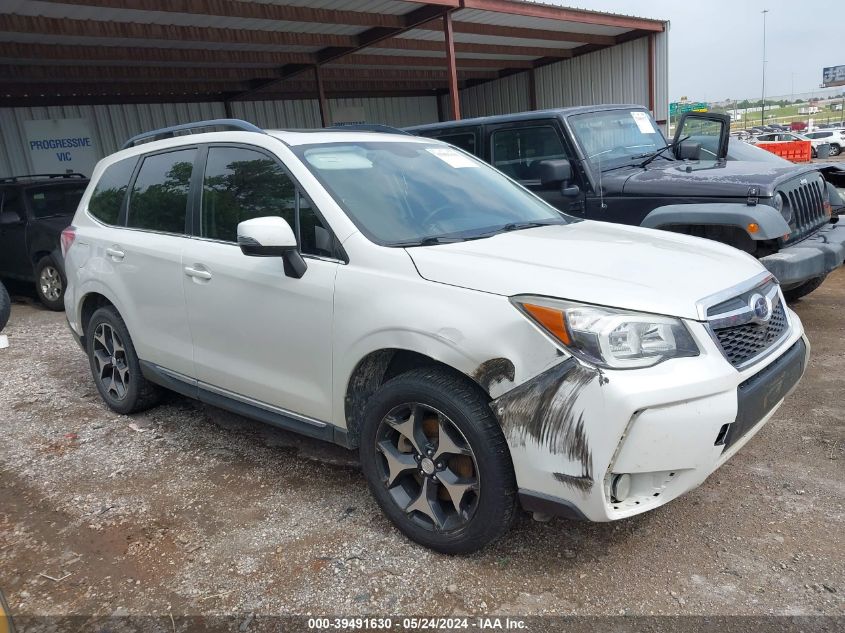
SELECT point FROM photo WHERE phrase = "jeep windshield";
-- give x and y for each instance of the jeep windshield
(614, 138)
(419, 194)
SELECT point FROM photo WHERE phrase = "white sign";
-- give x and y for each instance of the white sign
(58, 145)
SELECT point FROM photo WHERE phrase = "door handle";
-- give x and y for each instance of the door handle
(115, 253)
(197, 273)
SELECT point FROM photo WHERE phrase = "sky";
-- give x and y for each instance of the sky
(716, 47)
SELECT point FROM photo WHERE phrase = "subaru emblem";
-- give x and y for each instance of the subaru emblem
(761, 307)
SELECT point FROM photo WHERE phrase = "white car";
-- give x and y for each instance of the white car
(400, 297)
(835, 137)
(786, 137)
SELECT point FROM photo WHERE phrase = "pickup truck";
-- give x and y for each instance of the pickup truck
(612, 163)
(34, 210)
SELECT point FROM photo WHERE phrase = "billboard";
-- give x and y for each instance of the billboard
(833, 76)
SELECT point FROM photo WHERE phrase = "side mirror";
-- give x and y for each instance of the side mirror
(554, 172)
(271, 237)
(689, 150)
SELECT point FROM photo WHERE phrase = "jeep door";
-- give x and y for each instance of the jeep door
(259, 336)
(519, 148)
(14, 259)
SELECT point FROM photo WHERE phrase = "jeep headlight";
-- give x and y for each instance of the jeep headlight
(779, 203)
(608, 337)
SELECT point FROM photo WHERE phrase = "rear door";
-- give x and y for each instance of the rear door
(146, 258)
(14, 258)
(260, 336)
(518, 148)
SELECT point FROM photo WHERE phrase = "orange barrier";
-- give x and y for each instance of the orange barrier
(796, 151)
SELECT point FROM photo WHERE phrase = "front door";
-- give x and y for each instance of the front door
(258, 334)
(518, 149)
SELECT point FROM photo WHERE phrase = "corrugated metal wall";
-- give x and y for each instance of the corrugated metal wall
(112, 125)
(661, 76)
(502, 96)
(612, 75)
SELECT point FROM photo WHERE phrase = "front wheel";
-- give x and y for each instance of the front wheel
(437, 462)
(5, 307)
(50, 284)
(115, 365)
(803, 289)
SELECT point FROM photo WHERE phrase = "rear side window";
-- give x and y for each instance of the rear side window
(241, 184)
(159, 198)
(518, 152)
(465, 141)
(55, 200)
(108, 195)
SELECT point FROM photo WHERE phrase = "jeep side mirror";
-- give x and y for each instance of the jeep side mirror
(555, 172)
(271, 236)
(689, 150)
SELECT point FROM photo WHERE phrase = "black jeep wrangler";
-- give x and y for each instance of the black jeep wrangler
(612, 163)
(34, 210)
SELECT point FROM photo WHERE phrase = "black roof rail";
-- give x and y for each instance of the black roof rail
(368, 127)
(169, 132)
(71, 174)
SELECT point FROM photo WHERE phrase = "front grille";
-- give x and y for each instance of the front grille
(741, 343)
(806, 200)
(742, 336)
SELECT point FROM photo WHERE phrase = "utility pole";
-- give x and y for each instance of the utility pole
(763, 100)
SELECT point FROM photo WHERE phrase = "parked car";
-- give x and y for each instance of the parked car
(612, 163)
(834, 136)
(5, 306)
(33, 211)
(790, 137)
(401, 297)
(798, 126)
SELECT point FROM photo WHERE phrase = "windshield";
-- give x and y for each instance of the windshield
(399, 193)
(54, 200)
(612, 138)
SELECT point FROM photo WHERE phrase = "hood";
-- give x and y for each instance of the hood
(592, 262)
(731, 179)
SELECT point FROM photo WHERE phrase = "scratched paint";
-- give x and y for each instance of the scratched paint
(544, 410)
(494, 371)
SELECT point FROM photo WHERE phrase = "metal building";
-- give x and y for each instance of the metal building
(104, 70)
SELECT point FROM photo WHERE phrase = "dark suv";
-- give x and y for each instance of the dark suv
(34, 210)
(612, 163)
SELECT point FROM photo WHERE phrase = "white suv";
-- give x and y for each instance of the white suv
(396, 295)
(835, 137)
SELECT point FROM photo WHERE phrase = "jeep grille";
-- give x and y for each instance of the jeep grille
(807, 203)
(743, 339)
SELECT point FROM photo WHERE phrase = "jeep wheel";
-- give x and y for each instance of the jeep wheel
(835, 149)
(115, 366)
(5, 307)
(794, 293)
(437, 462)
(50, 284)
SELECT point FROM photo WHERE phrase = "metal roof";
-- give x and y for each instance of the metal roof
(56, 52)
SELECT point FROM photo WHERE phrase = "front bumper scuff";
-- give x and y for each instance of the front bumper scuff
(816, 256)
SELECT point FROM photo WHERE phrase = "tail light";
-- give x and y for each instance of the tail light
(68, 235)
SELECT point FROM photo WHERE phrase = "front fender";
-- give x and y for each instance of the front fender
(771, 222)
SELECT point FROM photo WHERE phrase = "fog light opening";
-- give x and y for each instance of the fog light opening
(620, 487)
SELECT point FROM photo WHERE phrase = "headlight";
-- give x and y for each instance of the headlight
(779, 203)
(609, 337)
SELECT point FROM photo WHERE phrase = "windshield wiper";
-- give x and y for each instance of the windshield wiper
(431, 240)
(518, 226)
(653, 155)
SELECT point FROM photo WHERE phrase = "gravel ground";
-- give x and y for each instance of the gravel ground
(190, 510)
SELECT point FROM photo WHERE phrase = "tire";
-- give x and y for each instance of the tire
(5, 307)
(803, 289)
(50, 284)
(835, 149)
(458, 438)
(115, 366)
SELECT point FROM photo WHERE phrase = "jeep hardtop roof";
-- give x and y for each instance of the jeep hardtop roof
(44, 179)
(524, 116)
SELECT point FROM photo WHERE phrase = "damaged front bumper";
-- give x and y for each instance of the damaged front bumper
(816, 256)
(573, 429)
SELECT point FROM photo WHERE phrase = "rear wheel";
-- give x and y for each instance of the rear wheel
(803, 289)
(115, 366)
(50, 284)
(835, 149)
(437, 462)
(5, 307)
